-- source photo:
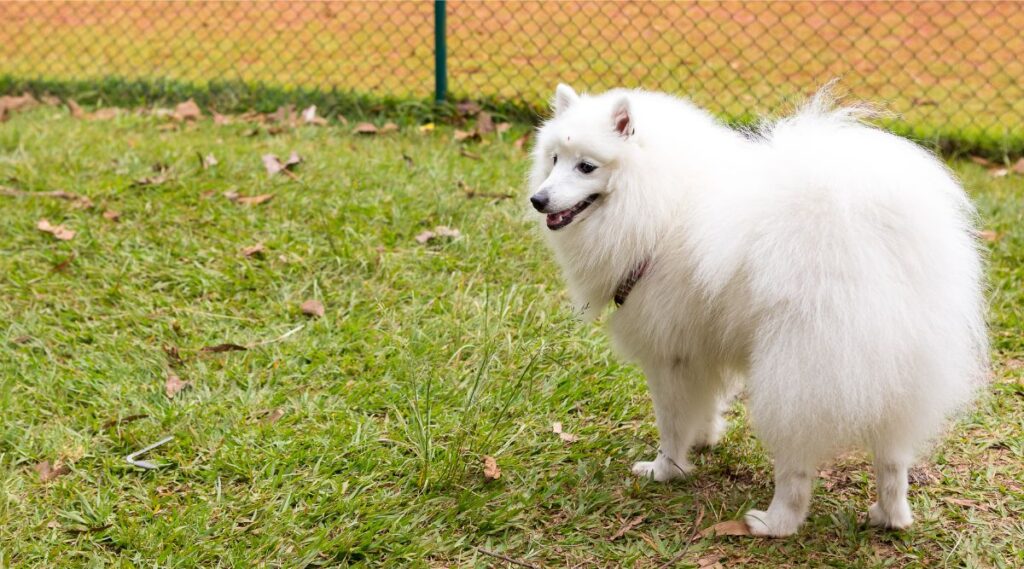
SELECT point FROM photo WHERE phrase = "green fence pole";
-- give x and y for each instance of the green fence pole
(440, 53)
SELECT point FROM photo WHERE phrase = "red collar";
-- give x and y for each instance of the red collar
(629, 281)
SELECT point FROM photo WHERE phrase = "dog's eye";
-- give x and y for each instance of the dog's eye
(586, 167)
(555, 159)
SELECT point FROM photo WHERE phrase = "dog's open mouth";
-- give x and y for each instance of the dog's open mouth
(562, 218)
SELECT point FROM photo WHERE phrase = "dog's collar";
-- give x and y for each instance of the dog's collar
(629, 281)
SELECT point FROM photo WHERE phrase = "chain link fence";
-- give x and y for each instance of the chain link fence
(949, 71)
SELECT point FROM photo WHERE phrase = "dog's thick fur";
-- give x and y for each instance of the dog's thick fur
(829, 266)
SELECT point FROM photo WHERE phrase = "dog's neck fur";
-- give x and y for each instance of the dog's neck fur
(598, 253)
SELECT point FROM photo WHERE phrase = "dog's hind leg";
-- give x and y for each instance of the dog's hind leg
(685, 404)
(794, 480)
(891, 464)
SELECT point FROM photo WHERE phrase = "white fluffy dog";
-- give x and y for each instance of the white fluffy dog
(829, 265)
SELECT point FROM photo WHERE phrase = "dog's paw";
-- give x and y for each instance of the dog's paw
(878, 517)
(763, 524)
(661, 469)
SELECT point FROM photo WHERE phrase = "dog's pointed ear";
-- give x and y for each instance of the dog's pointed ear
(564, 98)
(622, 119)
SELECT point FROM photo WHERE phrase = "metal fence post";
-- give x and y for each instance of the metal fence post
(440, 53)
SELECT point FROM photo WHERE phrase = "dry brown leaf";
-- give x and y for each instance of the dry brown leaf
(253, 250)
(988, 235)
(274, 165)
(313, 308)
(389, 127)
(728, 527)
(11, 103)
(273, 416)
(309, 116)
(59, 231)
(502, 127)
(465, 135)
(163, 173)
(254, 200)
(207, 161)
(491, 469)
(75, 110)
(1013, 364)
(484, 123)
(365, 128)
(630, 524)
(556, 428)
(999, 172)
(104, 114)
(980, 161)
(1018, 167)
(220, 119)
(187, 111)
(48, 471)
(174, 384)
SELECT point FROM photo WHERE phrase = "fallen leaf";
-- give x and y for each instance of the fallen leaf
(253, 250)
(365, 128)
(491, 469)
(630, 524)
(220, 119)
(174, 384)
(1013, 364)
(988, 235)
(53, 524)
(484, 123)
(163, 173)
(389, 127)
(502, 127)
(254, 200)
(283, 116)
(75, 110)
(221, 348)
(207, 161)
(231, 195)
(312, 308)
(50, 100)
(728, 527)
(439, 231)
(464, 135)
(309, 116)
(104, 114)
(187, 111)
(429, 127)
(59, 231)
(999, 172)
(11, 103)
(274, 165)
(556, 428)
(273, 416)
(48, 471)
(1018, 167)
(922, 476)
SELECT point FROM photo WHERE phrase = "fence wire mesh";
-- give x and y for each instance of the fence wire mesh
(944, 68)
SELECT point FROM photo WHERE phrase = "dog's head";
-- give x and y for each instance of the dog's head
(578, 153)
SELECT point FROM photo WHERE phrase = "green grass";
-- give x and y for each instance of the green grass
(428, 357)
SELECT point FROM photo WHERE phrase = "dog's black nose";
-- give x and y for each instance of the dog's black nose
(539, 201)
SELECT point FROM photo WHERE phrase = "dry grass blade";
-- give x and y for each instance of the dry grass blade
(630, 524)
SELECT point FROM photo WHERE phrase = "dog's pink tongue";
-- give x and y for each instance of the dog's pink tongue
(554, 217)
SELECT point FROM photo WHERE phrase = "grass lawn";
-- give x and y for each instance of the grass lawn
(358, 437)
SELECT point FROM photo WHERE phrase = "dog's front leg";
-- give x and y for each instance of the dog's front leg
(684, 405)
